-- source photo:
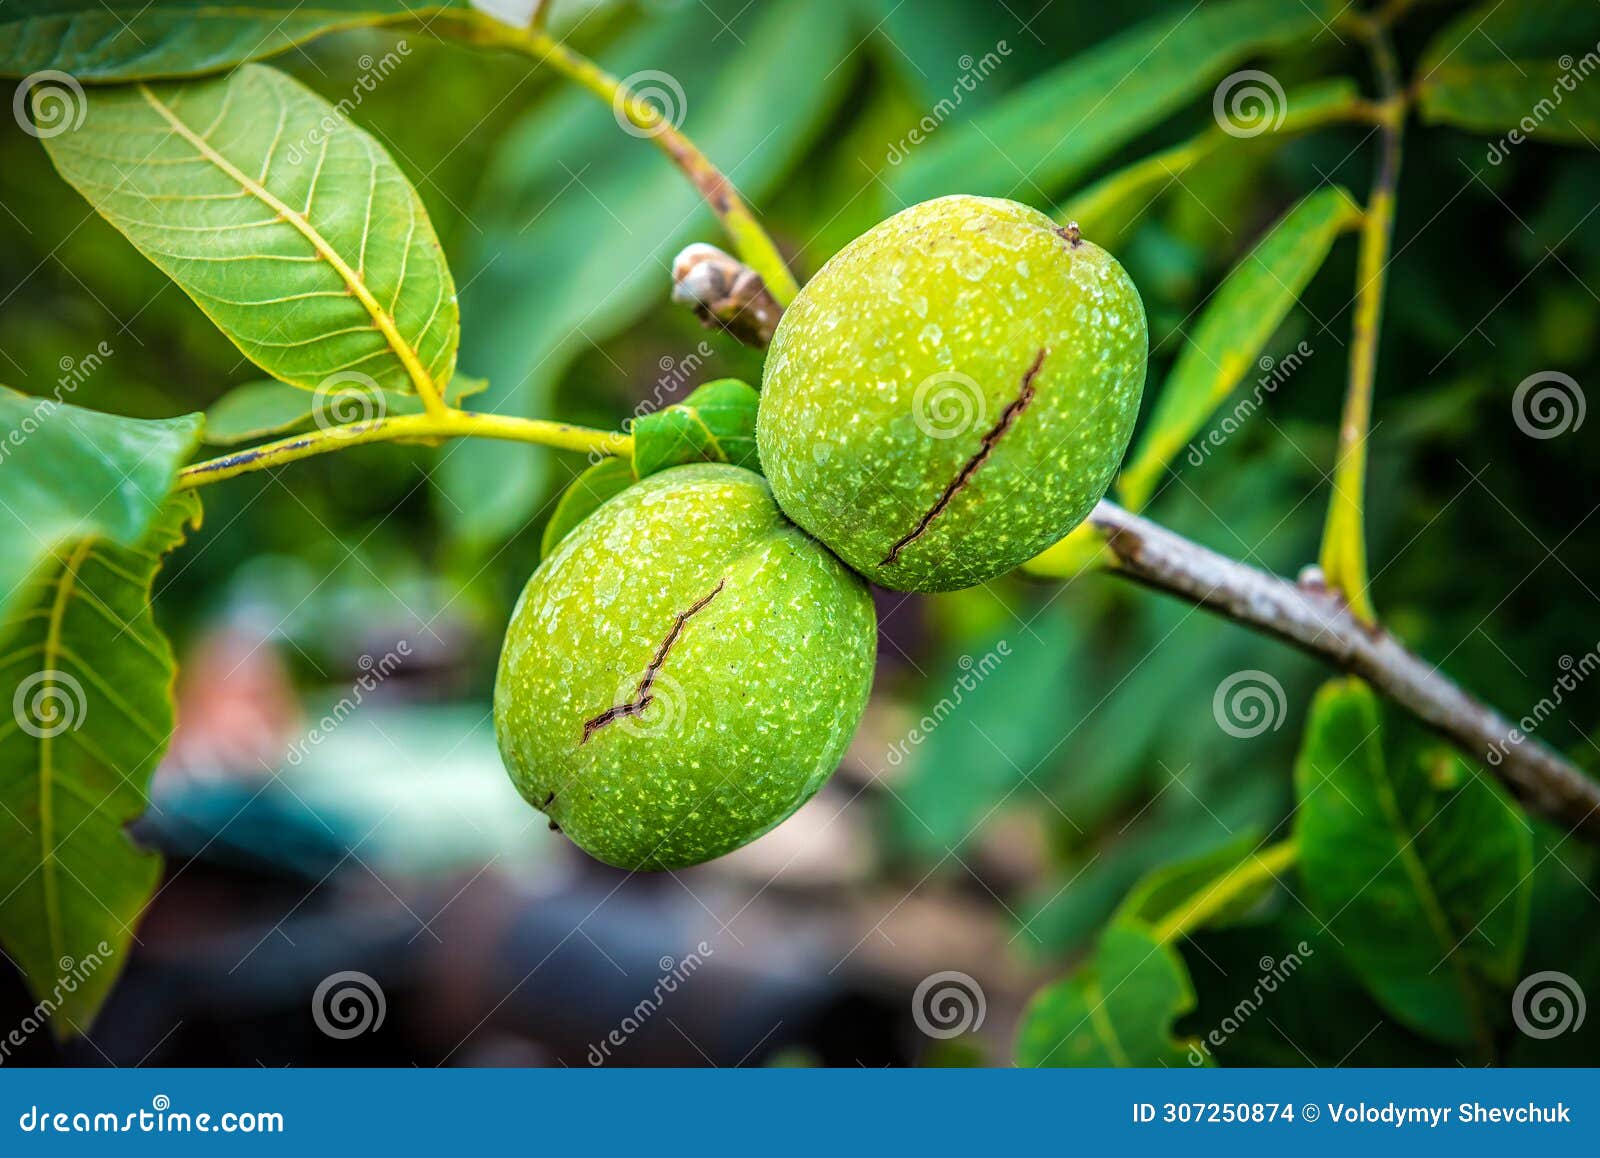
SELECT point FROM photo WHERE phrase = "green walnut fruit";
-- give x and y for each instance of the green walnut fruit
(683, 672)
(952, 393)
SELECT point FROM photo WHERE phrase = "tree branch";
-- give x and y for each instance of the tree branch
(723, 291)
(1318, 621)
(754, 247)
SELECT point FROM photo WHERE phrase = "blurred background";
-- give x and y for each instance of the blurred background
(315, 826)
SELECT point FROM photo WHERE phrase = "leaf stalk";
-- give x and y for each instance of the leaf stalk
(431, 427)
(1344, 548)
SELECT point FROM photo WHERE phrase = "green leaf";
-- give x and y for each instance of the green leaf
(291, 228)
(1105, 209)
(716, 423)
(1420, 871)
(1231, 333)
(1117, 1010)
(605, 479)
(1516, 67)
(91, 678)
(84, 512)
(581, 221)
(1207, 891)
(1265, 993)
(67, 474)
(259, 409)
(116, 40)
(1051, 131)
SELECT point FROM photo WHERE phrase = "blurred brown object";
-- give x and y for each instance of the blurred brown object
(237, 709)
(723, 291)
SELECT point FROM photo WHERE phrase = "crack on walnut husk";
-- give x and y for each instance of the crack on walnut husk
(644, 695)
(1008, 419)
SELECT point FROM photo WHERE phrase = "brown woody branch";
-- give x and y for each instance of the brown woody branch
(1319, 622)
(723, 291)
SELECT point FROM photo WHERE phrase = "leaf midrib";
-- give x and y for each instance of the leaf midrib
(381, 318)
(1095, 996)
(1432, 905)
(47, 851)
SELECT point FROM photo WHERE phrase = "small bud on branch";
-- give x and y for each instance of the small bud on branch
(724, 292)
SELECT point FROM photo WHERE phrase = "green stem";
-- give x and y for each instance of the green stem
(1344, 548)
(1244, 876)
(423, 427)
(750, 241)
